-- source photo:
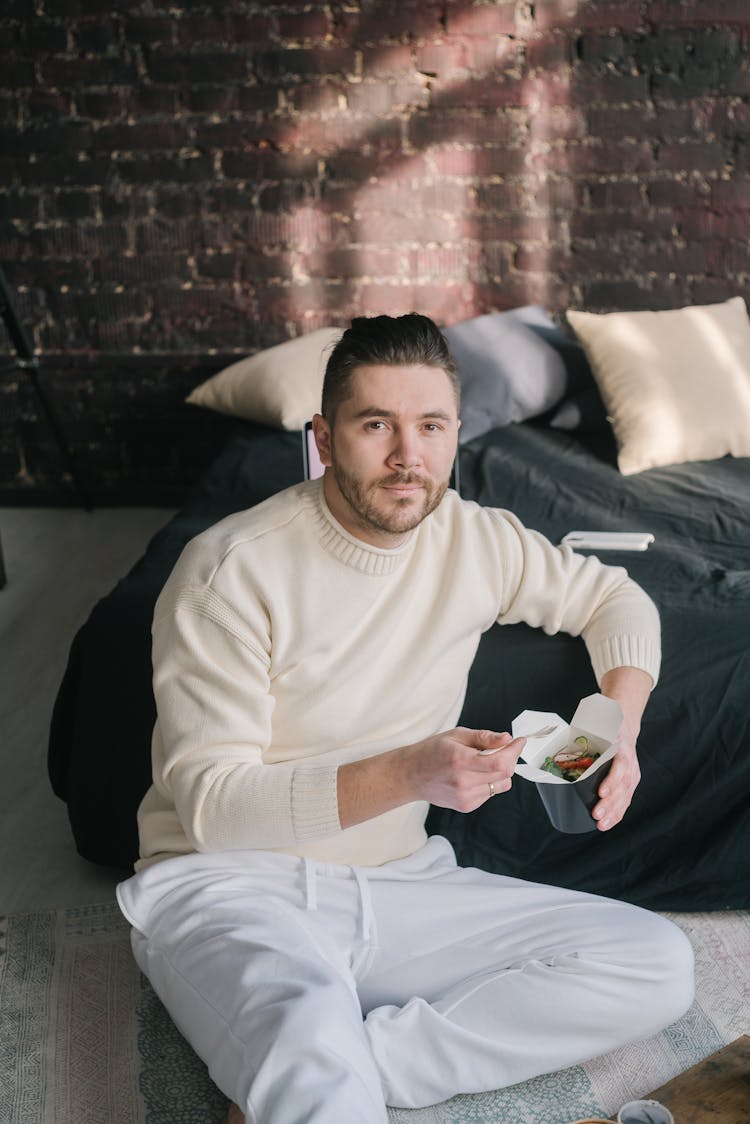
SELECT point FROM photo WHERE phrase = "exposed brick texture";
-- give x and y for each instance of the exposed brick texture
(185, 184)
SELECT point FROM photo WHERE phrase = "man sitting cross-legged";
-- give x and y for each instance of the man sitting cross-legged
(320, 953)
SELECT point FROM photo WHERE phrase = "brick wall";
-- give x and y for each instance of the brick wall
(189, 182)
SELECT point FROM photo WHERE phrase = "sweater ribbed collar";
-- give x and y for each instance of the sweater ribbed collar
(349, 549)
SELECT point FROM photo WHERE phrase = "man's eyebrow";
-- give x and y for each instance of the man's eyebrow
(377, 412)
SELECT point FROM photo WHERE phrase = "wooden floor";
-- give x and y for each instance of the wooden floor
(59, 562)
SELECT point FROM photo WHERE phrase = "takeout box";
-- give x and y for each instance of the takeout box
(569, 803)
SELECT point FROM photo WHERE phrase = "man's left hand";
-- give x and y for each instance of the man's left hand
(631, 688)
(617, 788)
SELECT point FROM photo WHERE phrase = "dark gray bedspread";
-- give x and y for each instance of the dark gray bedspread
(685, 843)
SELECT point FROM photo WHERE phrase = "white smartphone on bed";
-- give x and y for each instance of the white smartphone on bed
(313, 468)
(310, 456)
(608, 540)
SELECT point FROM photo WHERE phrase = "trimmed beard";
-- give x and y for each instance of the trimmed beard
(401, 518)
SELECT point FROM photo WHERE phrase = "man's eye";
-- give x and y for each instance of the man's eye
(433, 427)
(376, 425)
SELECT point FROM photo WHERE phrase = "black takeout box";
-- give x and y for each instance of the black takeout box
(569, 803)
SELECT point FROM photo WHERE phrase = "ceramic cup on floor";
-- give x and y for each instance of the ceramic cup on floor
(644, 1112)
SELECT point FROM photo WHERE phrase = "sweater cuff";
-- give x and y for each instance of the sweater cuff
(638, 651)
(315, 802)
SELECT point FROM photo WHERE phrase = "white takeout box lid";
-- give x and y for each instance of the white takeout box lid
(597, 718)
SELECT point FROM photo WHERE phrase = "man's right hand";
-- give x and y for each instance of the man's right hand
(454, 769)
(451, 770)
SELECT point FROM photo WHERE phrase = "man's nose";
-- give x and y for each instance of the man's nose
(405, 452)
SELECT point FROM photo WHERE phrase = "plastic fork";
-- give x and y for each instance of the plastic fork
(535, 734)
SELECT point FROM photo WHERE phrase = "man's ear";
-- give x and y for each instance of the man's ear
(322, 434)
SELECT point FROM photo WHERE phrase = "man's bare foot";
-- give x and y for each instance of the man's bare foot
(233, 1116)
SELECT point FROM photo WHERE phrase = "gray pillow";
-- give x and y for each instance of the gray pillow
(513, 366)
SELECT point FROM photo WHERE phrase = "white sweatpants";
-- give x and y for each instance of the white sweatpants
(467, 981)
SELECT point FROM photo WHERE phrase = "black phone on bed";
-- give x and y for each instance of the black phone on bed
(313, 468)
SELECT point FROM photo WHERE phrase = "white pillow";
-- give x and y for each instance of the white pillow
(675, 384)
(279, 387)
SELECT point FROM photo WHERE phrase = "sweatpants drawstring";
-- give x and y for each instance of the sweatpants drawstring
(365, 900)
(366, 913)
(311, 885)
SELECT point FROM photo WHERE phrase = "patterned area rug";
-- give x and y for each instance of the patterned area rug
(84, 1040)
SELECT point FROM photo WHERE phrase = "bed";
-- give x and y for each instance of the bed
(685, 842)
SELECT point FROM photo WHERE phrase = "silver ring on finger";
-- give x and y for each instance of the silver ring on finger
(491, 787)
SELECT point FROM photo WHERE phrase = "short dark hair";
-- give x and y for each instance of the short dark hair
(390, 341)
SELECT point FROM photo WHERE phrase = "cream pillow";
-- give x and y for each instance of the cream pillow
(280, 387)
(675, 384)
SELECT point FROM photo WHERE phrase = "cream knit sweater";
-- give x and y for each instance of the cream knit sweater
(283, 647)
